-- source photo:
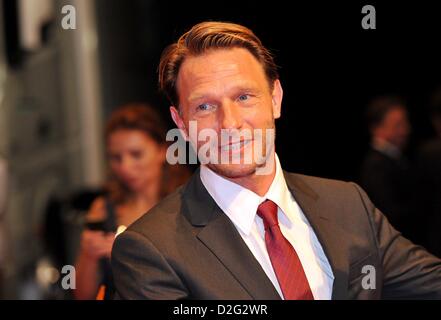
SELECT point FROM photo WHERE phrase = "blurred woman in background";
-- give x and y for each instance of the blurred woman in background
(139, 178)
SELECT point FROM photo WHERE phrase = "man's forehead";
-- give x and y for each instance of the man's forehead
(218, 64)
(220, 60)
(200, 70)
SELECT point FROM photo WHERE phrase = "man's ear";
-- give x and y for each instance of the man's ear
(177, 119)
(277, 96)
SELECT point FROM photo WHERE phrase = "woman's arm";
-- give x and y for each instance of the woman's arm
(94, 246)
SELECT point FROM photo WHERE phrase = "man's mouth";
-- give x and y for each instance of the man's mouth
(235, 146)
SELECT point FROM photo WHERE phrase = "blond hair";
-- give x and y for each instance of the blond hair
(207, 36)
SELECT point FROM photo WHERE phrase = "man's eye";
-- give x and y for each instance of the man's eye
(205, 107)
(244, 97)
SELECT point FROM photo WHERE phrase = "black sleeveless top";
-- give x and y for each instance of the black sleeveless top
(110, 225)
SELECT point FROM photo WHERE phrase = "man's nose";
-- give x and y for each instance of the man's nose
(231, 117)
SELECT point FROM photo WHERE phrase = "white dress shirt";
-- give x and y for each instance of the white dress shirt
(240, 205)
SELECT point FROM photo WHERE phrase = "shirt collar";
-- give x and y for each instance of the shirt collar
(386, 148)
(240, 204)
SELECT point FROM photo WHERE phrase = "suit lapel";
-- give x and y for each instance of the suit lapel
(220, 236)
(326, 230)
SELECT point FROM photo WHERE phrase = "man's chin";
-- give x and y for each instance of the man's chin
(233, 171)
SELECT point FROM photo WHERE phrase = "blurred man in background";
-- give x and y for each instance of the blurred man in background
(385, 172)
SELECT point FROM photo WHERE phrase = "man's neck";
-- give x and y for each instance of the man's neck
(258, 183)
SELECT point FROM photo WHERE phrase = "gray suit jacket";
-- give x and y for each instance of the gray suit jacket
(187, 248)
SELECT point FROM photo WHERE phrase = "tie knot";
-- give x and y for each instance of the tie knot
(267, 210)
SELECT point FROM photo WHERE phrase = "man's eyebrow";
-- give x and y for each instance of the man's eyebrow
(247, 87)
(236, 89)
(195, 97)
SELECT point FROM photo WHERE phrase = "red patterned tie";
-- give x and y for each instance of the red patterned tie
(285, 261)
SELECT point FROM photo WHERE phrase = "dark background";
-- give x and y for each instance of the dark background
(329, 66)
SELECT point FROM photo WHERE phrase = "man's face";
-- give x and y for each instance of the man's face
(395, 127)
(227, 90)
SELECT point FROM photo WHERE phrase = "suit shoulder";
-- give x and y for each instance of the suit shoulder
(314, 181)
(340, 201)
(161, 215)
(325, 188)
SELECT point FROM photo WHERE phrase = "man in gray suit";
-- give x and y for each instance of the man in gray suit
(248, 229)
